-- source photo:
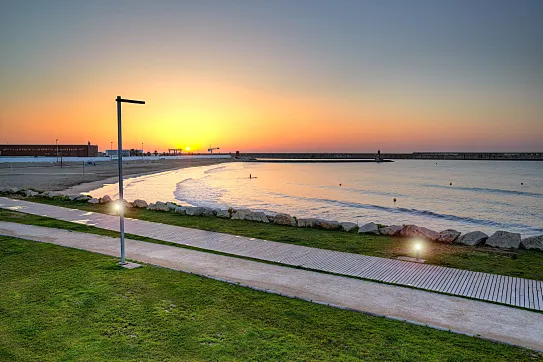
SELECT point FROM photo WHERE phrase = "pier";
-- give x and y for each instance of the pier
(371, 157)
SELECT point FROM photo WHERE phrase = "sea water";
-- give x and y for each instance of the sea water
(462, 195)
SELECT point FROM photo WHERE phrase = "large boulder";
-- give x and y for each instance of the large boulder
(392, 230)
(83, 198)
(158, 206)
(246, 214)
(142, 204)
(348, 226)
(473, 238)
(307, 223)
(241, 214)
(78, 197)
(127, 204)
(419, 232)
(208, 211)
(94, 200)
(198, 211)
(105, 199)
(171, 206)
(448, 236)
(11, 190)
(369, 228)
(31, 193)
(284, 219)
(223, 214)
(504, 239)
(50, 194)
(181, 210)
(194, 211)
(259, 216)
(534, 242)
(327, 224)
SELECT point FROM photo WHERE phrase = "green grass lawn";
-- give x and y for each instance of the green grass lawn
(521, 263)
(65, 304)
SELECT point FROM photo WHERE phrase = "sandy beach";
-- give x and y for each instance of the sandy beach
(71, 178)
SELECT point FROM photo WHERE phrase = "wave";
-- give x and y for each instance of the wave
(344, 188)
(422, 213)
(362, 191)
(196, 192)
(493, 191)
(214, 170)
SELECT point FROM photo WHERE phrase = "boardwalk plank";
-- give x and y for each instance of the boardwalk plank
(432, 272)
(456, 282)
(473, 289)
(519, 294)
(445, 275)
(539, 287)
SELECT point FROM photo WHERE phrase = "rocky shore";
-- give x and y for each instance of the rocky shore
(500, 239)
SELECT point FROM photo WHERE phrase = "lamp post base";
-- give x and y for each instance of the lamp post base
(129, 265)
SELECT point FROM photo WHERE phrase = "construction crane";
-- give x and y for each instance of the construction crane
(210, 149)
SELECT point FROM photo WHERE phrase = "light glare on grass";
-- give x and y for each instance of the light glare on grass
(418, 247)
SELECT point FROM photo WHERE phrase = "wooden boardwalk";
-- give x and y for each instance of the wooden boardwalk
(519, 292)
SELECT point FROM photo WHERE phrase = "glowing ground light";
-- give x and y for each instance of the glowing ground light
(418, 246)
(117, 206)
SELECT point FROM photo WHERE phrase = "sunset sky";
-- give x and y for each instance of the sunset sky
(290, 75)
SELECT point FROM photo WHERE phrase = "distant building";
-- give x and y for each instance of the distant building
(115, 153)
(49, 150)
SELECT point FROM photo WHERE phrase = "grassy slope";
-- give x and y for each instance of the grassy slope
(65, 304)
(522, 263)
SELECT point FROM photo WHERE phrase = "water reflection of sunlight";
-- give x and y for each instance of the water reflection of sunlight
(366, 194)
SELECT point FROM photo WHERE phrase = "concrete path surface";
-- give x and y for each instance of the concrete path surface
(491, 321)
(496, 288)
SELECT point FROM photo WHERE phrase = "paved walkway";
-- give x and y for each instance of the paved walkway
(502, 289)
(491, 321)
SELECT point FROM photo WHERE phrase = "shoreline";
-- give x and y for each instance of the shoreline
(76, 179)
(86, 187)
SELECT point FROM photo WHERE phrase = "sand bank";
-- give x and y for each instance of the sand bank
(51, 177)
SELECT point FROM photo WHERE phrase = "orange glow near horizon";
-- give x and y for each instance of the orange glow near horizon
(191, 114)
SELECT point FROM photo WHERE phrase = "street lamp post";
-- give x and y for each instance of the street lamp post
(142, 151)
(56, 143)
(119, 150)
(110, 149)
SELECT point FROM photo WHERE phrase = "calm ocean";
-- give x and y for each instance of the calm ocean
(484, 195)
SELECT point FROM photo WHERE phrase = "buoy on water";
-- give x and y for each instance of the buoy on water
(522, 183)
(394, 199)
(339, 184)
(450, 184)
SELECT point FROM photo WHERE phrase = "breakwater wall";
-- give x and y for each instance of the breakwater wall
(317, 160)
(493, 156)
